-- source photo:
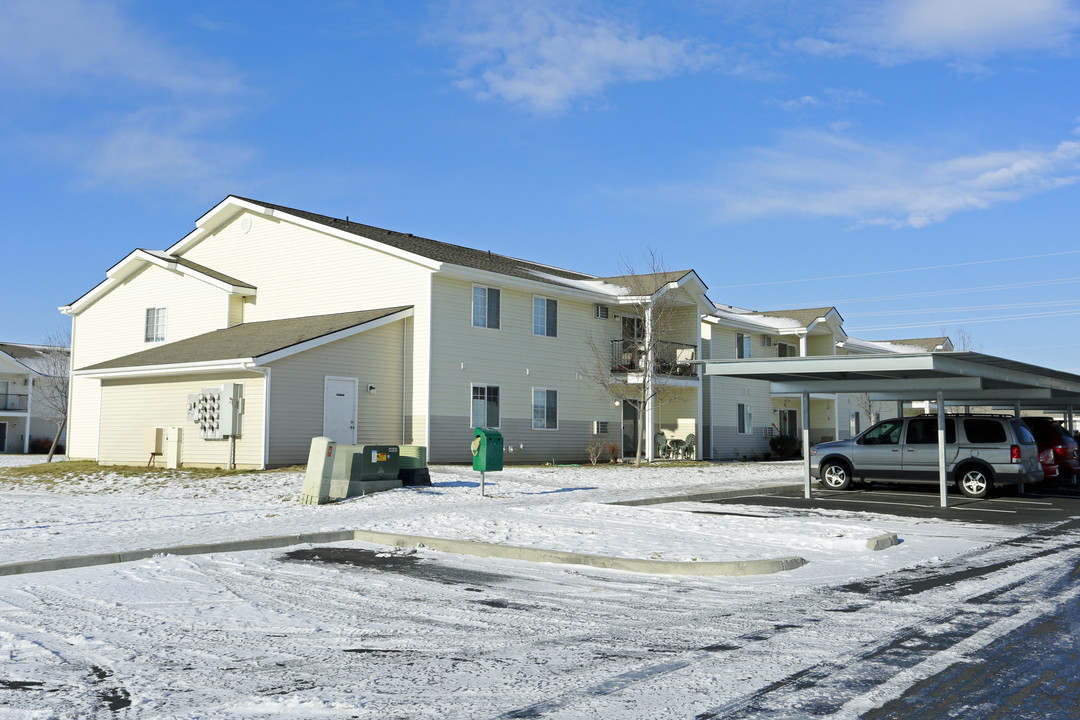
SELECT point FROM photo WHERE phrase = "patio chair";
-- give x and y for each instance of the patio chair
(690, 447)
(662, 448)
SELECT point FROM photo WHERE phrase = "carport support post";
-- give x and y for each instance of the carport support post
(942, 477)
(1016, 406)
(806, 442)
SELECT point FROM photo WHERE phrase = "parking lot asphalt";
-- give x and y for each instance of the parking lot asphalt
(1038, 504)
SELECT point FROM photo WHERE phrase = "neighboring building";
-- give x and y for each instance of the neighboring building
(25, 379)
(330, 327)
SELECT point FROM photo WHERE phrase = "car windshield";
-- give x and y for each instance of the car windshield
(885, 433)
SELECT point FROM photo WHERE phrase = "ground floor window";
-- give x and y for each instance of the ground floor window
(745, 421)
(485, 406)
(545, 409)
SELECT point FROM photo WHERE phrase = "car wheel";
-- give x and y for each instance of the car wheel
(974, 482)
(835, 476)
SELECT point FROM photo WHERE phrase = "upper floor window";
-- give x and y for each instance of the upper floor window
(485, 307)
(742, 345)
(155, 324)
(545, 409)
(545, 316)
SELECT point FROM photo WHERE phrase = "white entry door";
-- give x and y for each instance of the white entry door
(339, 410)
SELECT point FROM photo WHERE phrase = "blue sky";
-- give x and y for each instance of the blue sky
(912, 162)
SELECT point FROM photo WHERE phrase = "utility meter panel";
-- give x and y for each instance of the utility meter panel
(218, 411)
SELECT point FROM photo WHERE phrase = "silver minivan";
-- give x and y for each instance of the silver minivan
(980, 451)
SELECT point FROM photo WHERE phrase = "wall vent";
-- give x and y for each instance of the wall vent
(600, 427)
(603, 312)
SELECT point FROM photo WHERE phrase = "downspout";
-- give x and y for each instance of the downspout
(404, 374)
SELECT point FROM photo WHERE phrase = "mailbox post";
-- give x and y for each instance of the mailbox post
(487, 450)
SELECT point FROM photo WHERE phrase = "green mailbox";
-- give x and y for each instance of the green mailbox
(487, 447)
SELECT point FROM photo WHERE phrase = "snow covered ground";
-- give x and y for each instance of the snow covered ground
(257, 634)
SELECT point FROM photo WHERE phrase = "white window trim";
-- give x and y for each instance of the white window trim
(747, 416)
(744, 342)
(545, 298)
(532, 409)
(472, 306)
(164, 329)
(485, 385)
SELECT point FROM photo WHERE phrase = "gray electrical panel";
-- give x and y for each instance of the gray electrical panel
(218, 411)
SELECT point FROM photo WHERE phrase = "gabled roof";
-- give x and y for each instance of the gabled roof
(434, 249)
(139, 259)
(805, 317)
(30, 358)
(256, 342)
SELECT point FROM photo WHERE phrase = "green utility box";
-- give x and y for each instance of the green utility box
(412, 466)
(487, 450)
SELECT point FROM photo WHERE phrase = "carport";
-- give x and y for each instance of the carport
(953, 378)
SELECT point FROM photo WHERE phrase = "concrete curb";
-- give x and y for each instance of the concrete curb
(263, 543)
(655, 567)
(883, 542)
(786, 490)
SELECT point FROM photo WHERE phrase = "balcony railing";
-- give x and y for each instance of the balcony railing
(13, 403)
(672, 358)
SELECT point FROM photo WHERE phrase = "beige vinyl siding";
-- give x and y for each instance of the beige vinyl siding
(516, 360)
(822, 420)
(300, 271)
(373, 357)
(821, 345)
(724, 396)
(128, 407)
(116, 324)
(82, 431)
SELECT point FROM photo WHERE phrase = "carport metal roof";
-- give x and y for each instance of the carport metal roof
(963, 378)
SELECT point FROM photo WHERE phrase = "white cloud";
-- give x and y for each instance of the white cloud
(545, 55)
(822, 174)
(164, 106)
(904, 30)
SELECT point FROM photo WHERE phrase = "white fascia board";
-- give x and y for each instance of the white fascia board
(196, 368)
(487, 277)
(973, 397)
(332, 337)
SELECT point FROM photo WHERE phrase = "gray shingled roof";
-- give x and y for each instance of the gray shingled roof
(31, 356)
(646, 283)
(247, 340)
(803, 316)
(435, 250)
(926, 343)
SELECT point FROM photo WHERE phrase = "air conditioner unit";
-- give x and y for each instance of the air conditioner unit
(766, 341)
(600, 427)
(602, 312)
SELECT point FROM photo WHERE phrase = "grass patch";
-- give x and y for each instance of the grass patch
(49, 475)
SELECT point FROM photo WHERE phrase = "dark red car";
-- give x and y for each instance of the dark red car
(1050, 435)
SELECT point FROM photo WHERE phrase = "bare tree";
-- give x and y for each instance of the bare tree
(635, 366)
(53, 387)
(963, 339)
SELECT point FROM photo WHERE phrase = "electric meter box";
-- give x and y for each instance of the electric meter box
(488, 450)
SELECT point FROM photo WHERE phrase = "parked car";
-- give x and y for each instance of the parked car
(980, 451)
(1052, 436)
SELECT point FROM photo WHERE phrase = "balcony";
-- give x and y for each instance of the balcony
(672, 358)
(13, 403)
